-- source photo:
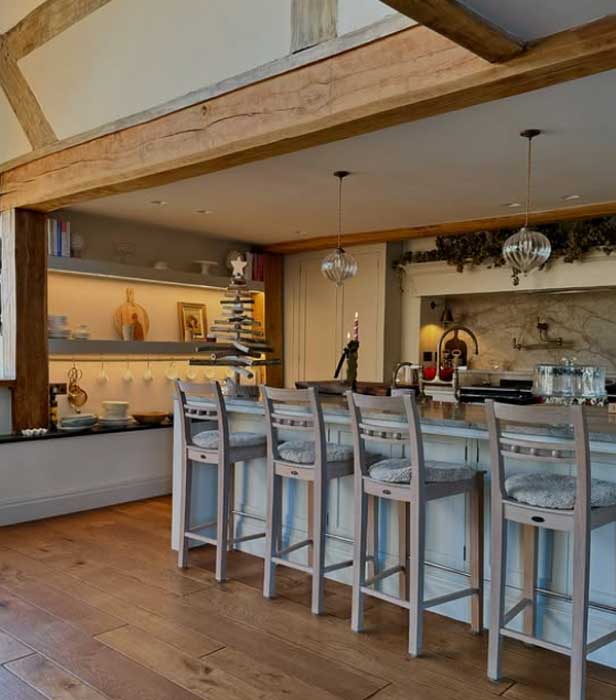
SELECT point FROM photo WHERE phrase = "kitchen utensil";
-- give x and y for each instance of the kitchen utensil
(151, 417)
(77, 397)
(128, 376)
(148, 376)
(172, 373)
(191, 375)
(82, 332)
(569, 383)
(132, 314)
(102, 377)
(115, 409)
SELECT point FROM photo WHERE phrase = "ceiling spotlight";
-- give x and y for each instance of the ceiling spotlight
(512, 205)
(203, 211)
(570, 197)
(158, 203)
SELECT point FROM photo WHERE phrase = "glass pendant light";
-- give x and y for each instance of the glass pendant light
(339, 266)
(527, 250)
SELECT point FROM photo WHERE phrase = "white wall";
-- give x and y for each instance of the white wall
(355, 14)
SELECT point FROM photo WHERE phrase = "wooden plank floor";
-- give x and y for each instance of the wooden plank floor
(93, 607)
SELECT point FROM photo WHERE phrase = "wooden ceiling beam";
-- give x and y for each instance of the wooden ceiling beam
(23, 101)
(47, 21)
(449, 228)
(404, 77)
(463, 26)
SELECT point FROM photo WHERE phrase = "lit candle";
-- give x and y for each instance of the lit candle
(356, 326)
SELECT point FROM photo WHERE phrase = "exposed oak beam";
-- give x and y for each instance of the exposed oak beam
(449, 228)
(47, 21)
(402, 78)
(463, 26)
(23, 101)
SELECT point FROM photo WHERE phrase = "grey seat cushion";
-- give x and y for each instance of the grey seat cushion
(398, 471)
(208, 439)
(556, 491)
(302, 452)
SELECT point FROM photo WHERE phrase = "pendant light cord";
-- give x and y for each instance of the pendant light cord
(339, 210)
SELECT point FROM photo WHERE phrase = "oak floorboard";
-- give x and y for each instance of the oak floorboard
(309, 665)
(110, 673)
(200, 676)
(166, 630)
(12, 688)
(11, 649)
(52, 681)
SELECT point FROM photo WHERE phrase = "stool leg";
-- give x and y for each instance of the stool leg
(372, 541)
(476, 568)
(497, 589)
(222, 525)
(320, 524)
(529, 569)
(404, 514)
(581, 571)
(272, 527)
(417, 538)
(230, 516)
(359, 557)
(185, 502)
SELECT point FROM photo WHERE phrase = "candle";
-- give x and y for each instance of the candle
(348, 337)
(356, 326)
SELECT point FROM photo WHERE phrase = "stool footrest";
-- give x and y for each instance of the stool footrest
(516, 610)
(387, 598)
(247, 538)
(534, 641)
(338, 565)
(294, 547)
(601, 642)
(292, 565)
(440, 600)
(199, 538)
(386, 573)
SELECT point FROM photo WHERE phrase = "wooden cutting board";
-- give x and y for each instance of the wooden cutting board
(131, 313)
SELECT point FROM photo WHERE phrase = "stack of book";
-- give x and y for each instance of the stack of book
(58, 238)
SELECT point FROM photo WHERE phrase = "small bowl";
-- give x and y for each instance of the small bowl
(151, 417)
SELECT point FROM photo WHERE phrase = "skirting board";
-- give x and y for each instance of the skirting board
(62, 504)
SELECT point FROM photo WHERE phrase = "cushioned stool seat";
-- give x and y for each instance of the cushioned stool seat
(398, 471)
(556, 491)
(209, 439)
(302, 452)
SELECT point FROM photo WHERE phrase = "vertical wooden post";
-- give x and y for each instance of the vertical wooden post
(30, 405)
(273, 273)
(312, 22)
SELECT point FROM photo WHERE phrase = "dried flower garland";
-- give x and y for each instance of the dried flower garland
(571, 241)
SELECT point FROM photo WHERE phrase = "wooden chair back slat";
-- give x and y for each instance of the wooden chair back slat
(193, 410)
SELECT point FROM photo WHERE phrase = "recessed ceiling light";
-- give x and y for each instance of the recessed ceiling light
(299, 232)
(203, 211)
(158, 203)
(512, 205)
(570, 197)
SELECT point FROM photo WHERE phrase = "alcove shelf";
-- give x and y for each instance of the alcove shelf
(115, 270)
(70, 348)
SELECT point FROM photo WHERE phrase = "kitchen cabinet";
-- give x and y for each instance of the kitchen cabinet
(318, 315)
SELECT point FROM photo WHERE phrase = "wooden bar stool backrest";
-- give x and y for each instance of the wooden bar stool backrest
(506, 425)
(191, 397)
(295, 410)
(369, 418)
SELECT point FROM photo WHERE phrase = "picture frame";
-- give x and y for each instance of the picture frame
(192, 321)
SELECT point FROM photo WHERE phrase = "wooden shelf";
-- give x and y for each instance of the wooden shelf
(105, 268)
(121, 347)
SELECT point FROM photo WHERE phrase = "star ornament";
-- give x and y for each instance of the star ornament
(238, 266)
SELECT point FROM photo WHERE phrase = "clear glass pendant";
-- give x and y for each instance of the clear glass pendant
(527, 250)
(339, 266)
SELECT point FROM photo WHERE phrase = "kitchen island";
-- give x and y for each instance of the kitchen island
(455, 433)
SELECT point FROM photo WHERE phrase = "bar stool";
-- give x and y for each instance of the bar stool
(574, 504)
(314, 461)
(414, 482)
(218, 446)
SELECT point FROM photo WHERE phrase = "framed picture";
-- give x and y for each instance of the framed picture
(193, 323)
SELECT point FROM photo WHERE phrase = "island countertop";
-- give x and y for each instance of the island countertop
(463, 420)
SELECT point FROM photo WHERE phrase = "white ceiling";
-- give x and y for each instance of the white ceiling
(532, 19)
(461, 165)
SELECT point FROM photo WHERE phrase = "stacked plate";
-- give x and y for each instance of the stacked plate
(57, 327)
(79, 421)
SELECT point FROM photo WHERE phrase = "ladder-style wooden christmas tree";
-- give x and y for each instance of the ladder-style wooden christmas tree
(240, 342)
